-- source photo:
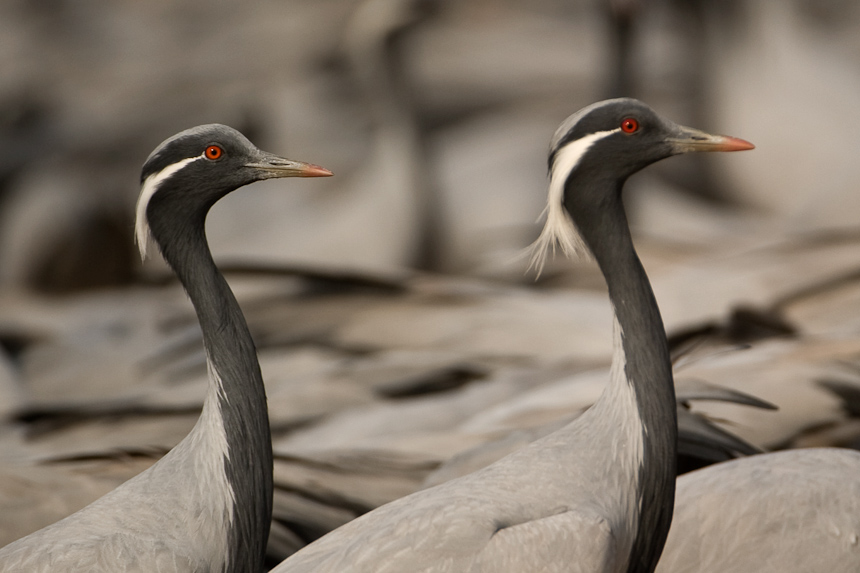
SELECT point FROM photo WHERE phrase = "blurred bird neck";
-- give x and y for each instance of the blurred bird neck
(379, 68)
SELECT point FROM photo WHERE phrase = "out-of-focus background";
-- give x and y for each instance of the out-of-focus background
(435, 116)
(398, 286)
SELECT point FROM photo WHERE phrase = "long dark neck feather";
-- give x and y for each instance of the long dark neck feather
(232, 354)
(603, 225)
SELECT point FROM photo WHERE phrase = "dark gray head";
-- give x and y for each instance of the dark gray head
(604, 144)
(190, 171)
(626, 135)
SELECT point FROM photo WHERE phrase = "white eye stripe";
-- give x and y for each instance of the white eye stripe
(147, 190)
(569, 156)
(559, 228)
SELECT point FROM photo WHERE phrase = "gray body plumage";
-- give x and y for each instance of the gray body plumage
(170, 518)
(206, 506)
(595, 496)
(786, 512)
(553, 506)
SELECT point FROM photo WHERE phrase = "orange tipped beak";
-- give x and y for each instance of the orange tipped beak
(726, 143)
(311, 170)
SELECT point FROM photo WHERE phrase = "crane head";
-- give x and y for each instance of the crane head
(596, 149)
(193, 169)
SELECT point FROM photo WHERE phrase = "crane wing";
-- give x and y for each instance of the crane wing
(568, 542)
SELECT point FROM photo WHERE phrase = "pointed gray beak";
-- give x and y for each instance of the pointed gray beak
(688, 140)
(271, 166)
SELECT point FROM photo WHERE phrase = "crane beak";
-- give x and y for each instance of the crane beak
(687, 140)
(271, 166)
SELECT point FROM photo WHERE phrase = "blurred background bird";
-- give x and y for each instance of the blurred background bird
(401, 340)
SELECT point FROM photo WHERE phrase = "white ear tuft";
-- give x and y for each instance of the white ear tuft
(141, 224)
(559, 229)
(142, 233)
(152, 183)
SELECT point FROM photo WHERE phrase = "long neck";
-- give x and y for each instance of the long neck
(647, 367)
(236, 389)
(378, 65)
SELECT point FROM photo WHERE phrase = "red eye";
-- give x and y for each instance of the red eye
(213, 152)
(629, 125)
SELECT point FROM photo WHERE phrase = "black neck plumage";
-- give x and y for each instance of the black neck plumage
(596, 208)
(242, 397)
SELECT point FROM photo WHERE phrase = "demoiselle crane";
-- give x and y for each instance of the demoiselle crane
(793, 511)
(205, 506)
(597, 494)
